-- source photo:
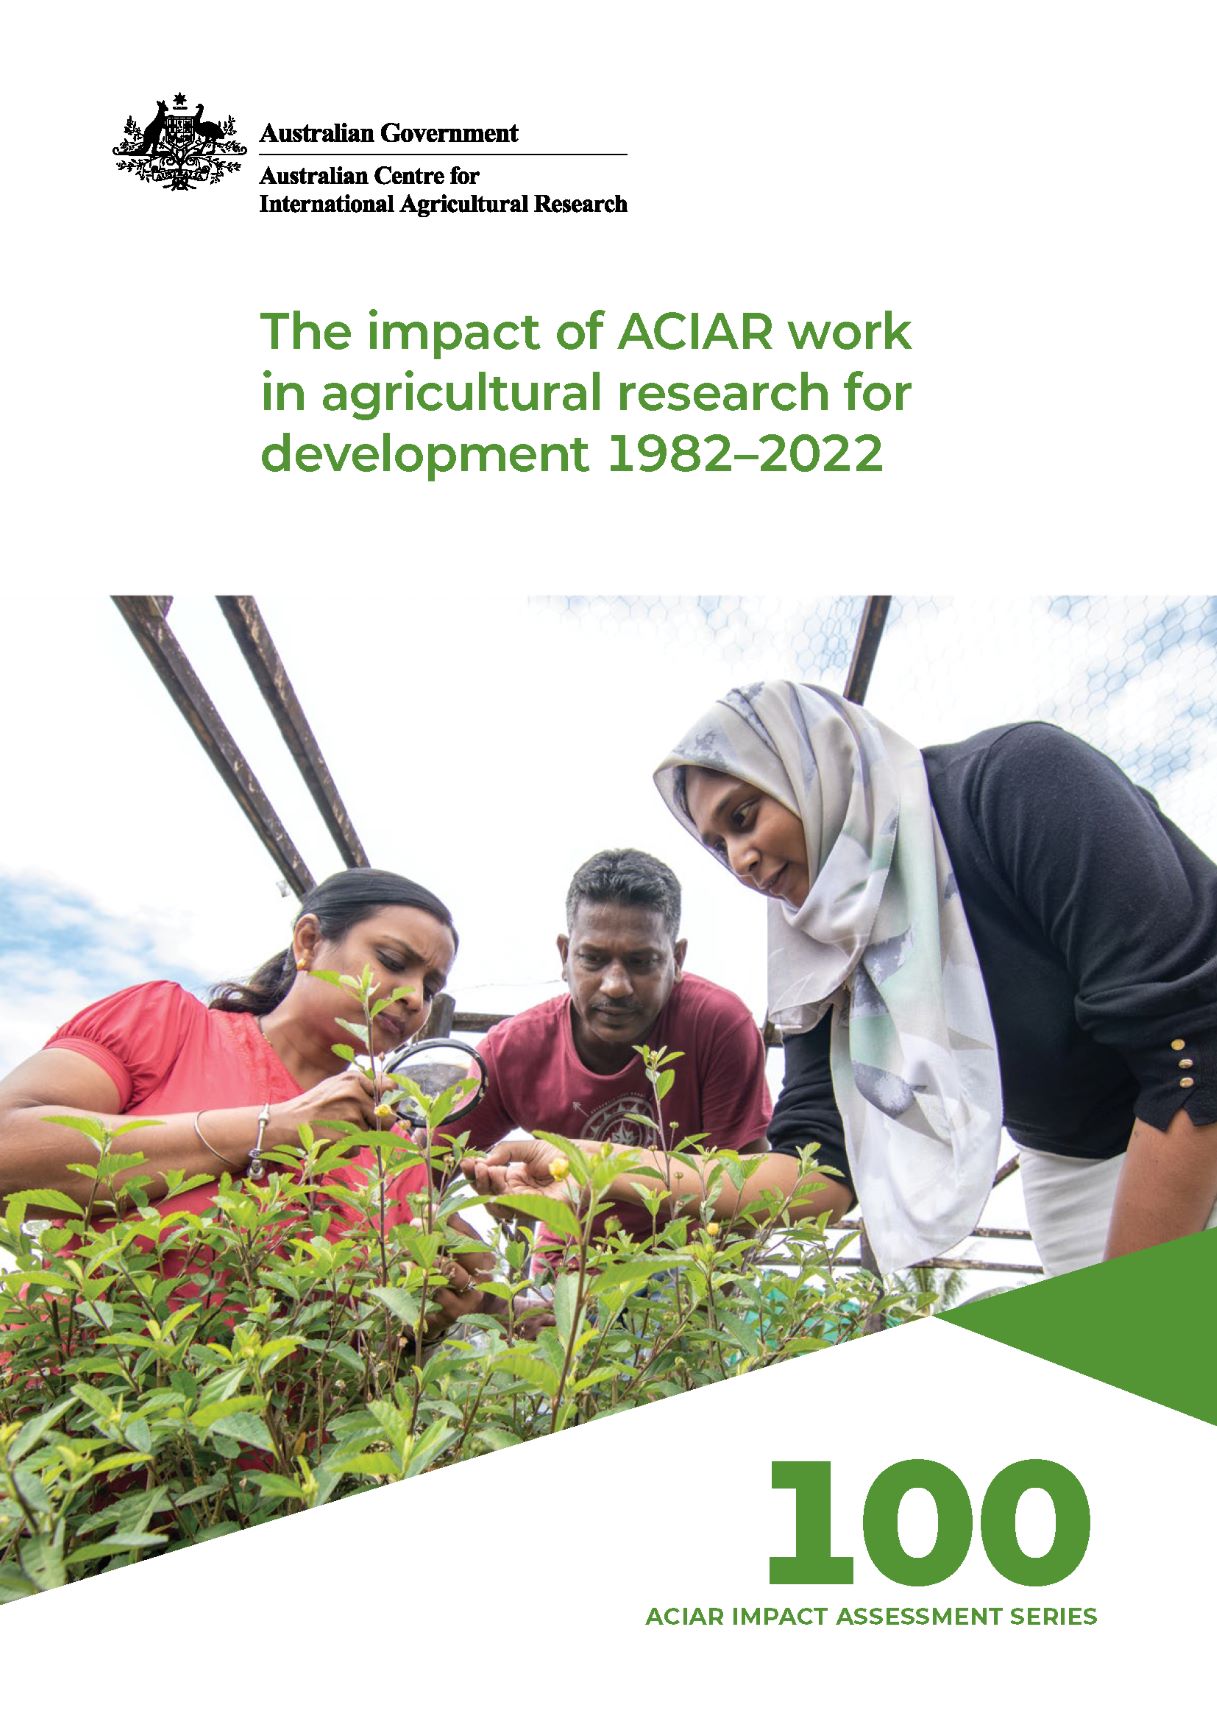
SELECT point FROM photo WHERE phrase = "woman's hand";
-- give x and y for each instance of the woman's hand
(349, 1098)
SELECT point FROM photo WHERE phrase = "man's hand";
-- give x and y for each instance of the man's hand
(517, 1169)
(461, 1296)
(529, 1315)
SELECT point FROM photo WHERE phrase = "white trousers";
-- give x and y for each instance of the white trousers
(1069, 1204)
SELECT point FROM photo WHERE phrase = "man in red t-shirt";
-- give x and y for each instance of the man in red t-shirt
(569, 1065)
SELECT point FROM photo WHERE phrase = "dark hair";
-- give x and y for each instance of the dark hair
(339, 903)
(626, 876)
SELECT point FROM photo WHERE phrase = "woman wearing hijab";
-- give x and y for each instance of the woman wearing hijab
(999, 931)
(227, 1080)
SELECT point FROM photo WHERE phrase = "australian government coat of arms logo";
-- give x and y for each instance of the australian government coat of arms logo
(180, 150)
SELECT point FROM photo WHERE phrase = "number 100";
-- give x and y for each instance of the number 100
(814, 1563)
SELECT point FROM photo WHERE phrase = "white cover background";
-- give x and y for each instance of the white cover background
(1025, 183)
(1028, 185)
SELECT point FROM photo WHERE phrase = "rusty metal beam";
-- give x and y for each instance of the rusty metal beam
(258, 649)
(145, 617)
(476, 1021)
(866, 647)
(439, 1025)
(951, 1262)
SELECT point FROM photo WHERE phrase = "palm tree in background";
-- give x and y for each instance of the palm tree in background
(945, 1285)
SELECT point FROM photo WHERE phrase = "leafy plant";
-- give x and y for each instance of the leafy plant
(166, 1378)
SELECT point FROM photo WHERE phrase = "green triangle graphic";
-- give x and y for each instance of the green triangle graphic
(1146, 1323)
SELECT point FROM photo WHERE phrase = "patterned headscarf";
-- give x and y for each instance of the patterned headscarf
(882, 938)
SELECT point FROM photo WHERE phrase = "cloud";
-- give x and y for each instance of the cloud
(59, 951)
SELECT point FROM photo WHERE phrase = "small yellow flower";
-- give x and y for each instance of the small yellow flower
(559, 1168)
(712, 1229)
(384, 1110)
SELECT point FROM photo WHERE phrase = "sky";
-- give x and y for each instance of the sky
(489, 747)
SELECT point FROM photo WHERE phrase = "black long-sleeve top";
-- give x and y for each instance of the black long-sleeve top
(1095, 925)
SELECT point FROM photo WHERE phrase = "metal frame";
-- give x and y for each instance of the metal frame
(266, 666)
(146, 618)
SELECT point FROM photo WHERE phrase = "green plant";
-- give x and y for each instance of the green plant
(166, 1378)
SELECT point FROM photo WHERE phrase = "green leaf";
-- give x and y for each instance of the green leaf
(549, 1346)
(278, 1488)
(207, 1416)
(365, 1465)
(493, 1437)
(627, 1274)
(209, 1533)
(566, 1293)
(746, 1337)
(99, 1313)
(247, 1427)
(556, 1215)
(137, 1433)
(562, 1143)
(606, 1372)
(119, 1544)
(90, 1127)
(327, 1481)
(422, 1247)
(49, 1198)
(401, 1303)
(42, 1559)
(439, 1108)
(204, 1492)
(31, 1487)
(118, 1461)
(429, 1446)
(35, 1429)
(94, 1398)
(14, 1583)
(526, 1366)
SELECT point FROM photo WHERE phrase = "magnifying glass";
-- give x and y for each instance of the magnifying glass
(436, 1065)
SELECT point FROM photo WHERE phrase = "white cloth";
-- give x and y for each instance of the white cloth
(882, 939)
(1069, 1204)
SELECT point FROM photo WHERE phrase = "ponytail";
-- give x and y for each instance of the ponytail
(265, 989)
(339, 903)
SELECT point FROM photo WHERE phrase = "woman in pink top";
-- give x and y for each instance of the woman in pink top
(208, 1073)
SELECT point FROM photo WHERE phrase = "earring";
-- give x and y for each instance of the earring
(302, 968)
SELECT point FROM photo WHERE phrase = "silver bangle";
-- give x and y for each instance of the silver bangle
(223, 1159)
(253, 1167)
